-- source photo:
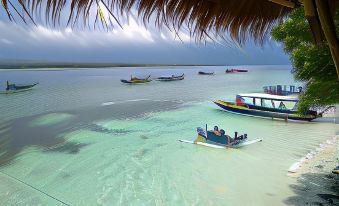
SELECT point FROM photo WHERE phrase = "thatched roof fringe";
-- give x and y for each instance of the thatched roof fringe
(240, 18)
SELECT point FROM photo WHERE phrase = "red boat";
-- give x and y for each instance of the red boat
(235, 70)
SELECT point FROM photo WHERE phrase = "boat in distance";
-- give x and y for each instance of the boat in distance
(205, 73)
(267, 106)
(171, 78)
(135, 80)
(15, 88)
(235, 70)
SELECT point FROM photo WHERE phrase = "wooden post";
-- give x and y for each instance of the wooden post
(313, 20)
(285, 3)
(328, 28)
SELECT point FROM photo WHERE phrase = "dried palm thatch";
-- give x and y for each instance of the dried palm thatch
(239, 18)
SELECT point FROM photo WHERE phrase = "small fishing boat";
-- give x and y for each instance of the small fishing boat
(283, 90)
(15, 88)
(135, 80)
(235, 70)
(220, 140)
(267, 106)
(205, 73)
(171, 78)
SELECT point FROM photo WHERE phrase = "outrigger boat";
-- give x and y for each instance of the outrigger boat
(283, 90)
(135, 80)
(235, 70)
(267, 106)
(171, 78)
(15, 88)
(205, 73)
(222, 141)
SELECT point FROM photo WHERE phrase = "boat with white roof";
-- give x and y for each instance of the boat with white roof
(267, 106)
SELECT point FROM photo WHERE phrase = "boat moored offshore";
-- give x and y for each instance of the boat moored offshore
(235, 70)
(15, 88)
(267, 106)
(171, 78)
(205, 73)
(135, 80)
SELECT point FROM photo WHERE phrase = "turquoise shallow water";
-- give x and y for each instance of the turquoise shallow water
(84, 138)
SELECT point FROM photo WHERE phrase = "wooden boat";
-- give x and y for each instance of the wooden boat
(267, 106)
(15, 88)
(171, 78)
(235, 70)
(135, 80)
(205, 73)
(283, 90)
(222, 141)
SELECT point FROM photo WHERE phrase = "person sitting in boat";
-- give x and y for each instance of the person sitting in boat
(10, 86)
(223, 134)
(216, 131)
(282, 106)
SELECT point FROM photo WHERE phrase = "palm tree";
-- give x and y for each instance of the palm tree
(204, 18)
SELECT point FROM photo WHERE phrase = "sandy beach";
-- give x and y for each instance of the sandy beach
(316, 185)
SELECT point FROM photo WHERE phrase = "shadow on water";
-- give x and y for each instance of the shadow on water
(68, 147)
(315, 189)
(97, 128)
(49, 134)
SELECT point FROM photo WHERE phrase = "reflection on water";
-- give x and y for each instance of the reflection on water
(94, 141)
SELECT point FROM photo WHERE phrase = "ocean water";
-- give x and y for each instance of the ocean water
(83, 138)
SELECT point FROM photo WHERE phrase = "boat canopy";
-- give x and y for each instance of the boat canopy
(270, 97)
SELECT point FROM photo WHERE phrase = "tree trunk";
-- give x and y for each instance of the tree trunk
(328, 27)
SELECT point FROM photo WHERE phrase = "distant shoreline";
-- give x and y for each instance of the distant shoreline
(81, 66)
(19, 66)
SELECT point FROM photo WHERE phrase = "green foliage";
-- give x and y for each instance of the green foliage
(312, 64)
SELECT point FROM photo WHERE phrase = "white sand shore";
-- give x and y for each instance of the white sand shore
(315, 184)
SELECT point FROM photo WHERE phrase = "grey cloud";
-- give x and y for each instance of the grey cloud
(133, 44)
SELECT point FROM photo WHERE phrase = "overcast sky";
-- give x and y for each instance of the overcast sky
(132, 44)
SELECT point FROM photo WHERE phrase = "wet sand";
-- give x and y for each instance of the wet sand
(316, 185)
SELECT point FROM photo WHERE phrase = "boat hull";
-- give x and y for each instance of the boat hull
(20, 88)
(134, 81)
(206, 73)
(218, 146)
(15, 91)
(235, 70)
(245, 110)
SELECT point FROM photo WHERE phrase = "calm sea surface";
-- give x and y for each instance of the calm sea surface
(83, 138)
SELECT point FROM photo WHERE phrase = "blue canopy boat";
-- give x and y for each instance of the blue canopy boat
(220, 140)
(15, 88)
(267, 106)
